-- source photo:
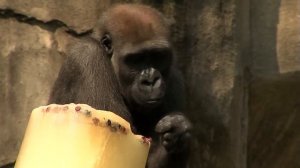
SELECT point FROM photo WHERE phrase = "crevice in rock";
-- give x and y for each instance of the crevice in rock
(51, 25)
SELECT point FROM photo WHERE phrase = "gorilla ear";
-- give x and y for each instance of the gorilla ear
(106, 43)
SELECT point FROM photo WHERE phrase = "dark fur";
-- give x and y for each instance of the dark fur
(87, 77)
(93, 74)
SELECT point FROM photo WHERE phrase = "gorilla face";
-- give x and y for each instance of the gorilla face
(144, 75)
(142, 70)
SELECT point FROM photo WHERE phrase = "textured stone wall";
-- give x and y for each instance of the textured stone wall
(240, 59)
(274, 97)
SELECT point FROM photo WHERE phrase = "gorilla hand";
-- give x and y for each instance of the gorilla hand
(175, 133)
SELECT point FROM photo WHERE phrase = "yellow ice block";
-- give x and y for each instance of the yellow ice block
(78, 136)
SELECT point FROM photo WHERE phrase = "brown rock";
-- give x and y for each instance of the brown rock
(79, 15)
(29, 63)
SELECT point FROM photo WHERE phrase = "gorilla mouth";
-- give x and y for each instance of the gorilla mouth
(154, 101)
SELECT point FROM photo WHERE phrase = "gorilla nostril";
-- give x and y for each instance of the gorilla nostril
(156, 79)
(150, 82)
(146, 82)
(157, 83)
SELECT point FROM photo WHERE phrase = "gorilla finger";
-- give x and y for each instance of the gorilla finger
(187, 135)
(168, 136)
(167, 118)
(163, 126)
(184, 127)
(165, 143)
(169, 145)
(168, 122)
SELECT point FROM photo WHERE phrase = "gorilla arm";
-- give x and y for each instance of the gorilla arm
(172, 143)
(87, 77)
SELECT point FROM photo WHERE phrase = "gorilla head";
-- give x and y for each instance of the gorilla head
(136, 38)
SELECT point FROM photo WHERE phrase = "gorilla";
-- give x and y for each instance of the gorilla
(127, 66)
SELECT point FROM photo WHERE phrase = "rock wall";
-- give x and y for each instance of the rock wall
(273, 138)
(240, 59)
(28, 65)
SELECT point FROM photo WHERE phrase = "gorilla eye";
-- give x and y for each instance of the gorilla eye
(161, 59)
(135, 61)
(106, 43)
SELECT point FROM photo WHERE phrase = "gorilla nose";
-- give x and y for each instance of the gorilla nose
(150, 78)
(151, 85)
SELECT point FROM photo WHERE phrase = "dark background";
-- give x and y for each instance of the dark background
(240, 59)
